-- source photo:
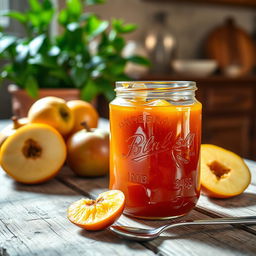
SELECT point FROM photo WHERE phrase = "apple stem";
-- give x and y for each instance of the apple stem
(86, 126)
(16, 123)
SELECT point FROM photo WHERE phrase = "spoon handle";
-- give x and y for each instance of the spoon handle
(231, 220)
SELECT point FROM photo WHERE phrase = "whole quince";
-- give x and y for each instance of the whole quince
(88, 152)
(11, 128)
(83, 112)
(54, 112)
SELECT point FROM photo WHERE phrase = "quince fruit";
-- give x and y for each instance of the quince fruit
(33, 154)
(88, 152)
(83, 112)
(223, 173)
(54, 112)
(11, 128)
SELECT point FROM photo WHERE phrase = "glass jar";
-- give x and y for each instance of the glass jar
(160, 43)
(155, 147)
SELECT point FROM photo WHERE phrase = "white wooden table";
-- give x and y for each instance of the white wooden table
(33, 222)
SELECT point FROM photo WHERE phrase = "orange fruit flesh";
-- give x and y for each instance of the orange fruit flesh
(223, 173)
(33, 154)
(97, 214)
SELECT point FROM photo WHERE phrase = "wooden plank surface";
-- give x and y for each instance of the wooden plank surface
(38, 224)
(33, 222)
(210, 240)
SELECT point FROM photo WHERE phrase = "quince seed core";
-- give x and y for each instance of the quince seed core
(31, 149)
(218, 169)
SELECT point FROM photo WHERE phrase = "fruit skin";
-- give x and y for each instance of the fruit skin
(88, 152)
(211, 186)
(11, 128)
(18, 166)
(54, 112)
(212, 194)
(83, 112)
(91, 206)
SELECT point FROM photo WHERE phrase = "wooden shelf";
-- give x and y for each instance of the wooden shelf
(244, 3)
(218, 79)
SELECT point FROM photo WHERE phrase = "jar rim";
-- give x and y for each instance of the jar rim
(122, 86)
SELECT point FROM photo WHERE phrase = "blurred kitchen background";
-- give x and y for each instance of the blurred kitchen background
(210, 41)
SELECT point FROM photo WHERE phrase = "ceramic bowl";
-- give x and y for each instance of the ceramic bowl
(194, 67)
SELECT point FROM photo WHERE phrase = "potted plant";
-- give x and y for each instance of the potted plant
(67, 60)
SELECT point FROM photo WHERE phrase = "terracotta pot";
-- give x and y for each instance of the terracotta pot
(21, 101)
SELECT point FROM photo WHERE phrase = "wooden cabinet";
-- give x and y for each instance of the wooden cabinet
(228, 100)
(231, 132)
(229, 115)
(229, 111)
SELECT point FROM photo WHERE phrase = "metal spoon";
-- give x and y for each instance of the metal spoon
(141, 234)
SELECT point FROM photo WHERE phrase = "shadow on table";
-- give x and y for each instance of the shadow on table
(107, 236)
(51, 187)
(186, 238)
(244, 200)
(210, 237)
(65, 183)
(88, 186)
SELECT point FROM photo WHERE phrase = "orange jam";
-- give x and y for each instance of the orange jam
(155, 148)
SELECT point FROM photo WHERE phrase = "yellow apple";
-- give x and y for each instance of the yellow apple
(54, 112)
(83, 112)
(223, 173)
(33, 154)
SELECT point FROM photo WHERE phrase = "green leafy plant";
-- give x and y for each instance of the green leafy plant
(40, 60)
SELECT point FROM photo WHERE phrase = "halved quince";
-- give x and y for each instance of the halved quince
(223, 173)
(33, 154)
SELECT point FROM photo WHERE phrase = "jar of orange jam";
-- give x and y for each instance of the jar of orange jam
(155, 147)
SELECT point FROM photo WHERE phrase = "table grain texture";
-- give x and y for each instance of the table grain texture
(33, 222)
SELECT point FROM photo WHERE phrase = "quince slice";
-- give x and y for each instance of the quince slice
(223, 173)
(33, 154)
